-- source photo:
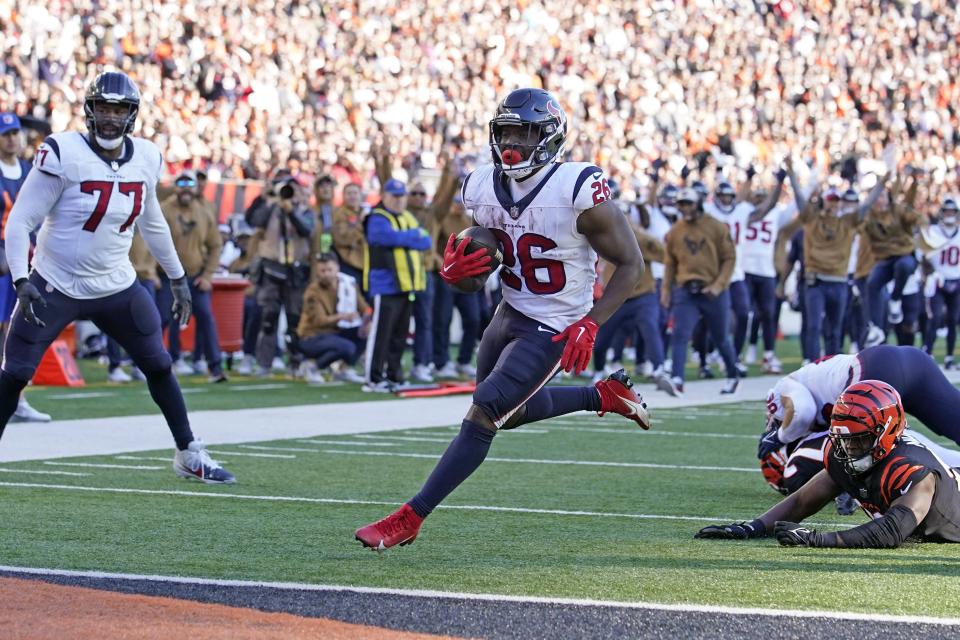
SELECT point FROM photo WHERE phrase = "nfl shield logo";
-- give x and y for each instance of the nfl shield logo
(514, 211)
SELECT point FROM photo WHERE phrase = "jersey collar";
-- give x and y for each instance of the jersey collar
(502, 189)
(113, 163)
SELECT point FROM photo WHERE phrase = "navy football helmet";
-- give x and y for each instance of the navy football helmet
(668, 196)
(536, 130)
(724, 196)
(114, 88)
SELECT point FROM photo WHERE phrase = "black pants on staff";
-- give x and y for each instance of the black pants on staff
(388, 337)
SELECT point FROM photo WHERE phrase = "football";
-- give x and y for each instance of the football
(480, 238)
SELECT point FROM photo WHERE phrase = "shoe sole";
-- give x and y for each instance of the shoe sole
(668, 387)
(190, 476)
(379, 547)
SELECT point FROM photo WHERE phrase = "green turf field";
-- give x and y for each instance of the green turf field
(100, 399)
(561, 508)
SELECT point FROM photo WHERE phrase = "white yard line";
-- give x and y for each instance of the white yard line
(584, 463)
(47, 473)
(230, 454)
(167, 460)
(390, 503)
(404, 438)
(348, 443)
(90, 465)
(653, 432)
(264, 448)
(493, 597)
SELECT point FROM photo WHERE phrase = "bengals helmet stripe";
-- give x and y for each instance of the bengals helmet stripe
(867, 419)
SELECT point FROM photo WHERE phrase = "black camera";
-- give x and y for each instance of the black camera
(285, 188)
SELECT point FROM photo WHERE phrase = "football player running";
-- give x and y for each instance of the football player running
(903, 486)
(89, 191)
(552, 219)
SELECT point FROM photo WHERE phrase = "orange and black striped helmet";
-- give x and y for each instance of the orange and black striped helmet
(867, 420)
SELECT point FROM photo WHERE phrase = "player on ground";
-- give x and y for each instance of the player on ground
(89, 191)
(902, 485)
(802, 402)
(552, 218)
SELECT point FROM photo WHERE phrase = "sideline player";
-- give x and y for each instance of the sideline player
(89, 191)
(803, 401)
(902, 485)
(13, 173)
(552, 218)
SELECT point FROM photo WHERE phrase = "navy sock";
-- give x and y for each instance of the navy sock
(461, 458)
(10, 389)
(166, 393)
(550, 402)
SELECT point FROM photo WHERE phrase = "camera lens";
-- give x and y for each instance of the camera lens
(286, 191)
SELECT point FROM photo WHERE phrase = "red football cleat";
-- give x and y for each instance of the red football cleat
(616, 396)
(400, 527)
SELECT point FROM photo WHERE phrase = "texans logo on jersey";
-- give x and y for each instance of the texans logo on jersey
(694, 246)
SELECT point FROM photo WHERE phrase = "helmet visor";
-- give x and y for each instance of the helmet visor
(516, 142)
(855, 445)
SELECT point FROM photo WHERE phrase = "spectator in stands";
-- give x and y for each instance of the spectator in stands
(392, 274)
(347, 232)
(333, 312)
(196, 237)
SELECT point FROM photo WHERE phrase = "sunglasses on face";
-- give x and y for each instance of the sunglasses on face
(186, 183)
(418, 193)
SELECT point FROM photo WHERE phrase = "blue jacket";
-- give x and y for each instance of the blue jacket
(393, 263)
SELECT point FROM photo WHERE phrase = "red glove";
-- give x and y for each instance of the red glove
(580, 337)
(458, 264)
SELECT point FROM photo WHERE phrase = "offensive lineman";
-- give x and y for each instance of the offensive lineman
(552, 219)
(89, 191)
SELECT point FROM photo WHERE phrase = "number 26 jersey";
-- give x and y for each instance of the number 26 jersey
(549, 268)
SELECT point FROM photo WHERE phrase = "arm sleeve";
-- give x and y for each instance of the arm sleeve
(153, 227)
(886, 532)
(38, 196)
(381, 234)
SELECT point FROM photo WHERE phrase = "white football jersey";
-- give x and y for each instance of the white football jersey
(736, 221)
(760, 239)
(946, 259)
(811, 388)
(659, 227)
(83, 245)
(549, 268)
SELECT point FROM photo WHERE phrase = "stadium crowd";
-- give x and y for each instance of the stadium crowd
(798, 111)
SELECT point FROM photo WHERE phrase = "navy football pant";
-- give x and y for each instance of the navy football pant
(715, 311)
(763, 294)
(898, 269)
(824, 306)
(517, 357)
(944, 308)
(130, 317)
(642, 314)
(740, 304)
(925, 391)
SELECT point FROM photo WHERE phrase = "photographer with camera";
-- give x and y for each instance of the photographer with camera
(281, 270)
(197, 241)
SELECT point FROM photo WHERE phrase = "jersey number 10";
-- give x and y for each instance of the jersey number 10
(556, 276)
(104, 189)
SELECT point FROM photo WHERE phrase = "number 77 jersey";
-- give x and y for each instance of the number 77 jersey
(549, 267)
(83, 245)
